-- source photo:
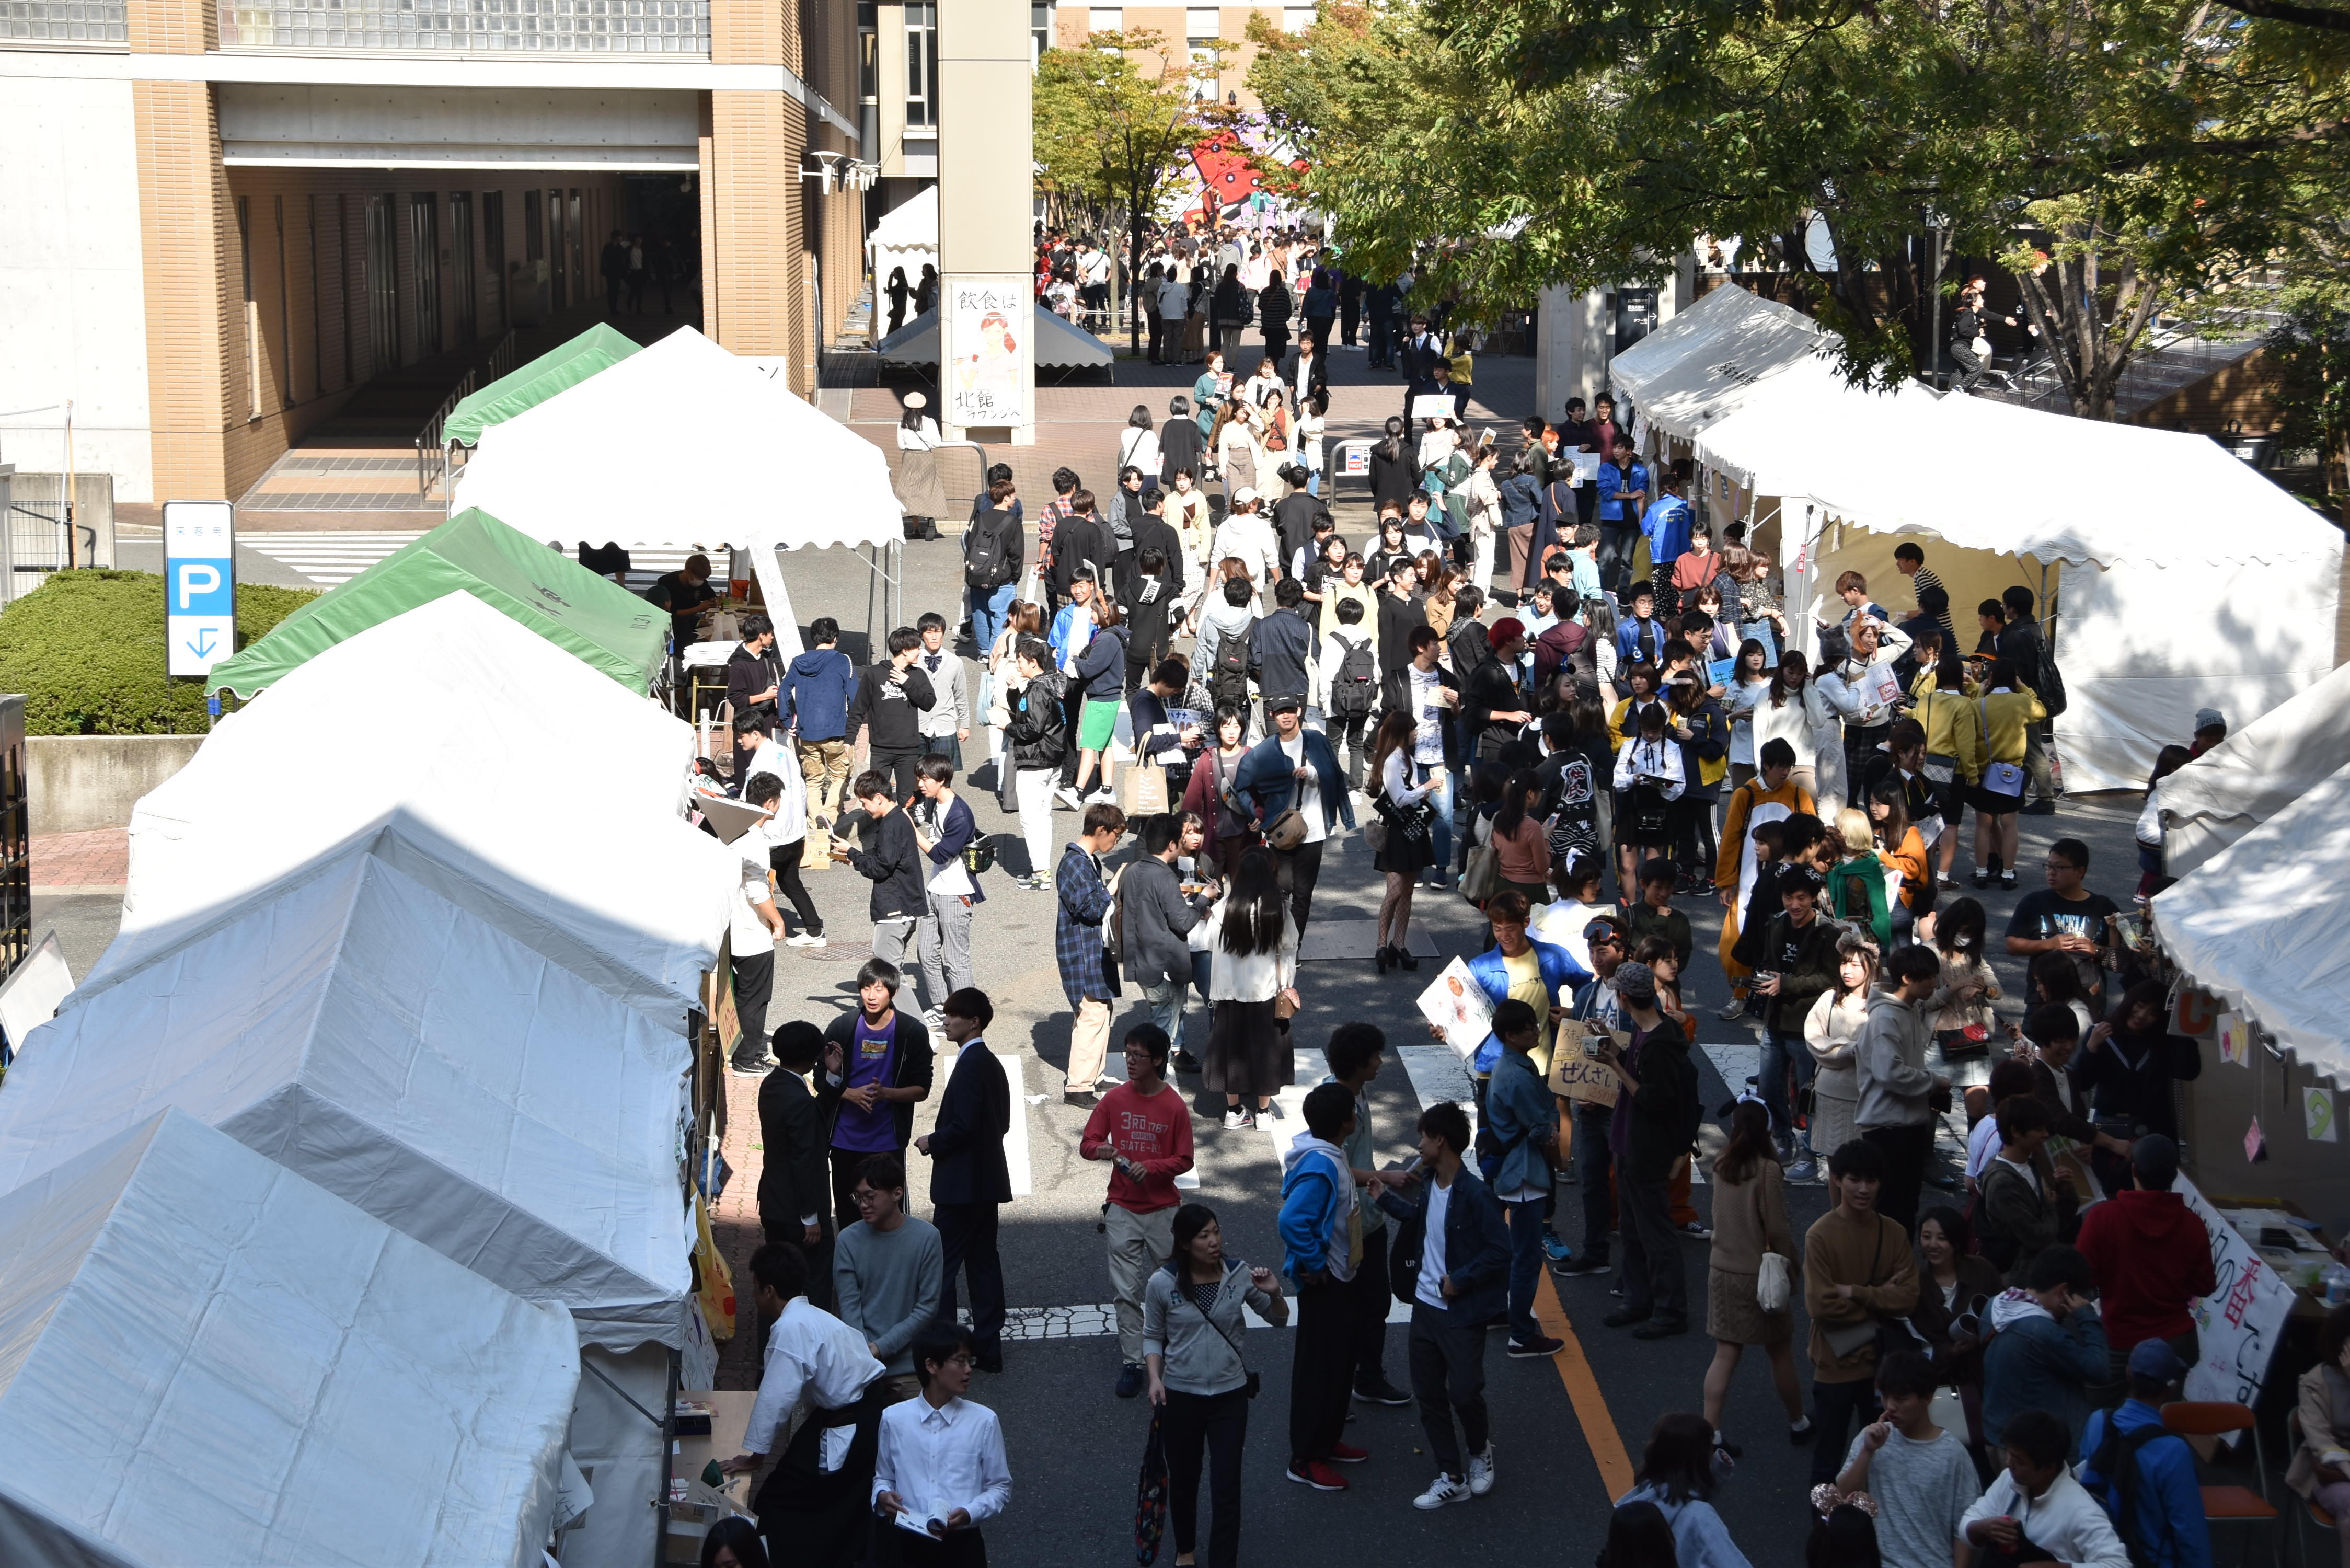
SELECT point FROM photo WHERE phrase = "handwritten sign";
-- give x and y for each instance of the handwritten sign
(1577, 1075)
(2197, 1013)
(2239, 1324)
(990, 332)
(2235, 1040)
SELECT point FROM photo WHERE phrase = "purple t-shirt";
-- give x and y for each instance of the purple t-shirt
(871, 1055)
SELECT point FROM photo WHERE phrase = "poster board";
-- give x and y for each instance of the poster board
(1457, 1005)
(2239, 1324)
(1576, 1075)
(988, 351)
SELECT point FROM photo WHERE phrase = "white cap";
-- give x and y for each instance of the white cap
(917, 400)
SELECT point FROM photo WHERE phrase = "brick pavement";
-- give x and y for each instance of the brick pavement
(98, 861)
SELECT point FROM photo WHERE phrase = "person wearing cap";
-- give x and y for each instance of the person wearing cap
(2211, 729)
(1246, 536)
(2152, 1255)
(2159, 1510)
(1295, 766)
(1493, 707)
(1653, 1125)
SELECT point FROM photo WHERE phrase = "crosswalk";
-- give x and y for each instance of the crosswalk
(330, 557)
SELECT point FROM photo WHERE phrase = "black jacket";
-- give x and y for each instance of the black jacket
(1152, 530)
(1491, 688)
(912, 1066)
(1180, 446)
(1081, 540)
(1293, 518)
(1228, 306)
(2130, 1075)
(1391, 478)
(894, 862)
(1811, 970)
(1666, 1109)
(748, 674)
(890, 707)
(1394, 696)
(1039, 731)
(1399, 618)
(792, 1175)
(1279, 652)
(1469, 646)
(1006, 525)
(1155, 920)
(1272, 306)
(967, 1164)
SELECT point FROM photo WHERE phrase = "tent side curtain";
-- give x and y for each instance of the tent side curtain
(2259, 927)
(2257, 772)
(595, 349)
(1712, 357)
(591, 617)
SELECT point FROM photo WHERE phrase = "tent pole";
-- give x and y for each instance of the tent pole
(668, 1458)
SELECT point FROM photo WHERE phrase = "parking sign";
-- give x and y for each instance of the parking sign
(199, 584)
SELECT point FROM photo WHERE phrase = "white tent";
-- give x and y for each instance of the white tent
(484, 762)
(1709, 359)
(2259, 927)
(205, 1359)
(1061, 345)
(2256, 773)
(1804, 426)
(363, 1031)
(675, 442)
(906, 237)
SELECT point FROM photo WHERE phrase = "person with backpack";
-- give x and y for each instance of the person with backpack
(2021, 645)
(991, 561)
(1348, 671)
(1225, 651)
(1281, 648)
(2143, 1472)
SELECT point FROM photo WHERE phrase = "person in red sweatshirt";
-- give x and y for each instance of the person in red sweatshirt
(2152, 1255)
(1144, 1128)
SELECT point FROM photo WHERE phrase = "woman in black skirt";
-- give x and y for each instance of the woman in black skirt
(1409, 849)
(1253, 965)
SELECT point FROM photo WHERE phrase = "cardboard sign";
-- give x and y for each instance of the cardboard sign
(1577, 1075)
(2197, 1015)
(2238, 1324)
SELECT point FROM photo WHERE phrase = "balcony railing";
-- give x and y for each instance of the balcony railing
(63, 21)
(566, 27)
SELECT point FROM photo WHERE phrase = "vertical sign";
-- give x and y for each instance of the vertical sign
(991, 324)
(199, 584)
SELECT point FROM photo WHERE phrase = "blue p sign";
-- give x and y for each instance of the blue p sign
(200, 588)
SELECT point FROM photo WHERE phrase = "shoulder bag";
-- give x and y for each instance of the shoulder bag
(1150, 1494)
(1254, 1382)
(1482, 876)
(2005, 779)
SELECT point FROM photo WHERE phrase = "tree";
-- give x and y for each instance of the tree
(2311, 353)
(1110, 134)
(2147, 150)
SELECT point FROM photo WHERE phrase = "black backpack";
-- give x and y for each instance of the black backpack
(1231, 667)
(1350, 688)
(2051, 685)
(985, 564)
(2116, 1462)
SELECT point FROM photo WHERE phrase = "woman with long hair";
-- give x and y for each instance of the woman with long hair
(1211, 785)
(1951, 1276)
(1021, 617)
(1409, 847)
(1392, 547)
(1520, 839)
(1677, 1474)
(1639, 1536)
(1189, 514)
(1792, 709)
(1648, 780)
(1748, 684)
(1831, 1029)
(1437, 582)
(1963, 1028)
(1253, 968)
(1485, 524)
(1392, 478)
(1192, 1334)
(1100, 673)
(1750, 1218)
(899, 291)
(1900, 848)
(1702, 730)
(1228, 313)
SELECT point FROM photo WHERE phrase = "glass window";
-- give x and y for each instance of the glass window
(1106, 19)
(1297, 18)
(1202, 48)
(868, 52)
(921, 65)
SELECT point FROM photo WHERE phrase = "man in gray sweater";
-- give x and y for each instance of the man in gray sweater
(1895, 1111)
(889, 1270)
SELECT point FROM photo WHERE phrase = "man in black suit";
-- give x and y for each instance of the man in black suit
(794, 1187)
(1151, 528)
(969, 1177)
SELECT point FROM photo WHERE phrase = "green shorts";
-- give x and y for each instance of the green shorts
(1097, 723)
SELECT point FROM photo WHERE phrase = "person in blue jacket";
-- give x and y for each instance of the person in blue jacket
(1560, 975)
(2166, 1528)
(815, 707)
(1456, 1289)
(1666, 523)
(1294, 765)
(1623, 495)
(1520, 1126)
(1322, 1244)
(2047, 1346)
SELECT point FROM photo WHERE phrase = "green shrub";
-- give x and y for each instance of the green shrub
(85, 648)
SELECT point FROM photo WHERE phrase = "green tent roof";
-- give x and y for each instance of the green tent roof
(519, 390)
(571, 607)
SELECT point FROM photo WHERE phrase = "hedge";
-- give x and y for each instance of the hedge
(85, 648)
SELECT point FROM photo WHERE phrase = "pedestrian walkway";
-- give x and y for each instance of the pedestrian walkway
(66, 865)
(332, 557)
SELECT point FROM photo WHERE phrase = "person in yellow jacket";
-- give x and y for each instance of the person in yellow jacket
(2001, 714)
(1954, 745)
(1768, 796)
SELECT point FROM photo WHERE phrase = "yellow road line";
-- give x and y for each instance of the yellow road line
(1583, 1392)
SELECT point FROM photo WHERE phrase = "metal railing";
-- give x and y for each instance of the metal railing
(431, 451)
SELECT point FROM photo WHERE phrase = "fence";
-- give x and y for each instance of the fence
(431, 451)
(36, 543)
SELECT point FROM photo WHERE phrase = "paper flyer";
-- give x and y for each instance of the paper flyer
(2235, 1040)
(1458, 1005)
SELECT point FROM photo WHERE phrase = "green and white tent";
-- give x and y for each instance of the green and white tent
(595, 349)
(591, 617)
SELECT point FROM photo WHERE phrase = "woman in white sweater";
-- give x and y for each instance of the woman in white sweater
(1792, 711)
(1830, 1029)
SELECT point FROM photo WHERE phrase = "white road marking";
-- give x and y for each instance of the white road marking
(334, 555)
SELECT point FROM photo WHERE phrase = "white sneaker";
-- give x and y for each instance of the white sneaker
(934, 1021)
(1067, 797)
(1442, 1491)
(805, 939)
(1481, 1472)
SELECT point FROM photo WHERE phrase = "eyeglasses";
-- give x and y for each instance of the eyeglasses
(865, 1197)
(960, 1358)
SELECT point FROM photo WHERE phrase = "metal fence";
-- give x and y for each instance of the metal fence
(431, 451)
(37, 543)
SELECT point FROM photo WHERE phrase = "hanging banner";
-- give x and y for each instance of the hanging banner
(990, 330)
(2239, 1324)
(2235, 1039)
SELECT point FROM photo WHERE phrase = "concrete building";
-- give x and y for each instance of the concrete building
(224, 220)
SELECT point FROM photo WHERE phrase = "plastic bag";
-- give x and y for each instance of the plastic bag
(1774, 1286)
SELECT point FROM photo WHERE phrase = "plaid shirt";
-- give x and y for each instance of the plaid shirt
(1054, 510)
(1077, 926)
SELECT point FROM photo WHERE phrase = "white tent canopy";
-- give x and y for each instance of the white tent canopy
(362, 1031)
(676, 441)
(481, 759)
(205, 1359)
(1710, 360)
(1061, 345)
(2259, 927)
(1806, 426)
(2254, 774)
(906, 237)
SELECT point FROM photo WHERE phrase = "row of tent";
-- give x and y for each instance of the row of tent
(2182, 578)
(348, 1206)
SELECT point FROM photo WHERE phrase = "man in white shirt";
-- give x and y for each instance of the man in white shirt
(753, 930)
(940, 1472)
(2035, 1501)
(817, 1496)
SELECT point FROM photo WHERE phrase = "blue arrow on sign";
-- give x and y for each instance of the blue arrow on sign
(203, 646)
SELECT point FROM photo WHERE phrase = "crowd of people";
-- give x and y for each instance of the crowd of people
(1625, 719)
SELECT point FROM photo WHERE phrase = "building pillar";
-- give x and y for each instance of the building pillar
(197, 386)
(755, 251)
(987, 305)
